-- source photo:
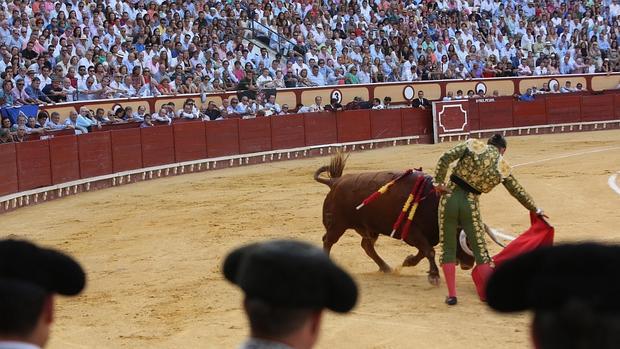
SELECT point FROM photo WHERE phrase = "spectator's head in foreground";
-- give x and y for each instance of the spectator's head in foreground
(572, 289)
(30, 276)
(287, 284)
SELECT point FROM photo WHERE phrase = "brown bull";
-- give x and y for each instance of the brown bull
(378, 217)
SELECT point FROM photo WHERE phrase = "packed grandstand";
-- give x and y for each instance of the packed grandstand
(56, 52)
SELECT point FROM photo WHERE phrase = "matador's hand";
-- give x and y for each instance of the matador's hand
(442, 189)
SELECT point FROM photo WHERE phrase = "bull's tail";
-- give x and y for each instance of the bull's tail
(335, 168)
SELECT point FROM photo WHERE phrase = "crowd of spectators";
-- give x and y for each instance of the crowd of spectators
(81, 49)
(54, 52)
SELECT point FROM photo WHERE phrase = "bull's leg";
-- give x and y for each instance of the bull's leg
(413, 260)
(331, 237)
(429, 252)
(368, 244)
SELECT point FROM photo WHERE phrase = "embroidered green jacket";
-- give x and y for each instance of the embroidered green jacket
(483, 168)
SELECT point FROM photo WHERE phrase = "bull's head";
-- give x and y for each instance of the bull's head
(464, 255)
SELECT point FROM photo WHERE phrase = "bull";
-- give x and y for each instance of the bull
(377, 218)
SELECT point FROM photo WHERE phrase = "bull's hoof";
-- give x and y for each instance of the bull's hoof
(466, 267)
(411, 261)
(385, 269)
(451, 300)
(433, 279)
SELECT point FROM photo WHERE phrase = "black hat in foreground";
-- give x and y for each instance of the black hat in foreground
(549, 278)
(22, 262)
(291, 274)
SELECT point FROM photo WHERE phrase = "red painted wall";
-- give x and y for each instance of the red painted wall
(320, 128)
(386, 123)
(126, 149)
(287, 132)
(254, 135)
(157, 146)
(353, 125)
(95, 152)
(8, 170)
(33, 164)
(190, 141)
(64, 159)
(222, 138)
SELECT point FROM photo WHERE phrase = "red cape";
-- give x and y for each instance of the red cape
(538, 235)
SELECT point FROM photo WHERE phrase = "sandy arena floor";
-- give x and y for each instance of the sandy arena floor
(153, 250)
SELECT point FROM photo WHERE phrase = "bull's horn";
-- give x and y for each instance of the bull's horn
(491, 233)
(463, 242)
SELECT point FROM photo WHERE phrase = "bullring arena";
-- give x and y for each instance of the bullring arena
(153, 249)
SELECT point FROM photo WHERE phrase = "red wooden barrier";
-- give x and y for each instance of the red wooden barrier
(617, 106)
(529, 113)
(387, 123)
(157, 145)
(33, 165)
(64, 159)
(320, 128)
(254, 135)
(597, 107)
(473, 116)
(496, 114)
(8, 169)
(222, 137)
(190, 141)
(353, 125)
(287, 132)
(126, 149)
(416, 121)
(95, 153)
(563, 109)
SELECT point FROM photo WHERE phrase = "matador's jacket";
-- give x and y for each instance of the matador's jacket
(479, 169)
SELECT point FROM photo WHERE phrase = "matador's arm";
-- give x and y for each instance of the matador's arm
(515, 189)
(446, 159)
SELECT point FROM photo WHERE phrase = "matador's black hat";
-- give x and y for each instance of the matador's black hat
(290, 274)
(549, 278)
(50, 271)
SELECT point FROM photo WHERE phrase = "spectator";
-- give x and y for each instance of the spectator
(334, 105)
(272, 105)
(188, 111)
(54, 122)
(387, 102)
(567, 88)
(527, 96)
(265, 81)
(163, 116)
(459, 95)
(6, 94)
(147, 122)
(376, 104)
(285, 110)
(72, 122)
(20, 134)
(287, 284)
(317, 106)
(212, 112)
(449, 96)
(570, 299)
(19, 93)
(34, 92)
(7, 124)
(421, 102)
(5, 136)
(55, 91)
(31, 276)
